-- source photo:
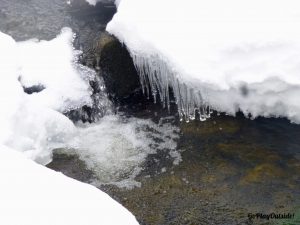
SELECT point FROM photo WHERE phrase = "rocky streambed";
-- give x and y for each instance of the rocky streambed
(229, 168)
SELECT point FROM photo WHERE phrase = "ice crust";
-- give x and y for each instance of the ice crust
(32, 194)
(224, 55)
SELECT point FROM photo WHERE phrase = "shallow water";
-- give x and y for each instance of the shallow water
(42, 19)
(230, 166)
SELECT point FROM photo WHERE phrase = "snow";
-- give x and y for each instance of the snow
(226, 55)
(57, 72)
(32, 194)
(94, 2)
(32, 125)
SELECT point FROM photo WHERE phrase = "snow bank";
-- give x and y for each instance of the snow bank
(34, 123)
(32, 194)
(227, 55)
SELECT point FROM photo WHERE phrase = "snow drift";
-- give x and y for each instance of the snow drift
(34, 123)
(32, 194)
(226, 55)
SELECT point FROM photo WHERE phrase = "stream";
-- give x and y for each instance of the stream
(166, 172)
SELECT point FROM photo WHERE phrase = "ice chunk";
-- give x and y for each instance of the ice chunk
(226, 55)
(34, 195)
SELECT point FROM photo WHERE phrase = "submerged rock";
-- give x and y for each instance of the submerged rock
(70, 165)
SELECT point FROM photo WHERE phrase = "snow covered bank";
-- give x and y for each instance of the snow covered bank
(228, 55)
(34, 123)
(32, 194)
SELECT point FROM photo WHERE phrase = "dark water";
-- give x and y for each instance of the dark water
(231, 166)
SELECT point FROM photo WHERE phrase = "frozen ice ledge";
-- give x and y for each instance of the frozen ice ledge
(227, 56)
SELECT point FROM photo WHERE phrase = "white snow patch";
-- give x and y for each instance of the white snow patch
(34, 124)
(230, 55)
(94, 2)
(32, 194)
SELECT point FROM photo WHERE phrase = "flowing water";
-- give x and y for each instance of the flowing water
(165, 171)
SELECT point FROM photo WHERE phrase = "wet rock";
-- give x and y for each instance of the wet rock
(91, 55)
(100, 104)
(33, 89)
(117, 68)
(70, 165)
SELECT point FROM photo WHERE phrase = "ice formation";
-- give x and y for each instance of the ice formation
(32, 194)
(224, 55)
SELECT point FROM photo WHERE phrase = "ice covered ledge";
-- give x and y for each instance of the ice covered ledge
(224, 55)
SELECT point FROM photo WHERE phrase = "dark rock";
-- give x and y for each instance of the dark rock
(70, 165)
(101, 105)
(33, 89)
(117, 68)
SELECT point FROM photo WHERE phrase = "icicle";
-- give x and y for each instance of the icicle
(156, 78)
